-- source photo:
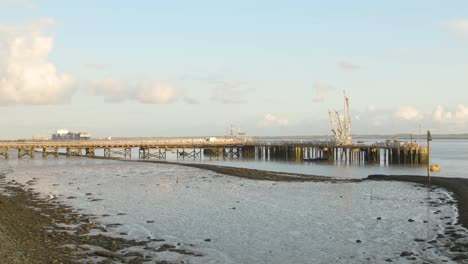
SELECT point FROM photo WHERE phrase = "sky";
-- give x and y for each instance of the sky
(270, 68)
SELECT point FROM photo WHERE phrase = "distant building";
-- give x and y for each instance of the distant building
(63, 134)
(39, 137)
(61, 131)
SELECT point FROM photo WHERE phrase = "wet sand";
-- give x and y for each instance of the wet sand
(30, 230)
(254, 174)
(38, 230)
(458, 186)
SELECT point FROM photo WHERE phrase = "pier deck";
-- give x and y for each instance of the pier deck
(408, 153)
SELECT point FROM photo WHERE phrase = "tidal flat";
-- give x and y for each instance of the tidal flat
(182, 214)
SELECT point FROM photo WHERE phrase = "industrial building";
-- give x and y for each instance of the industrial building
(64, 134)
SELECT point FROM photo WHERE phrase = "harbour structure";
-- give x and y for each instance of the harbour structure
(64, 134)
(242, 148)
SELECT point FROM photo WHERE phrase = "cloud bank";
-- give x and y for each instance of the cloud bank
(459, 116)
(156, 93)
(147, 92)
(408, 113)
(26, 74)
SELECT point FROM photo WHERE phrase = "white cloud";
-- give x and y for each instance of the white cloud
(272, 120)
(345, 65)
(147, 92)
(408, 113)
(156, 93)
(112, 90)
(26, 74)
(229, 93)
(321, 91)
(460, 26)
(440, 114)
(459, 116)
(370, 108)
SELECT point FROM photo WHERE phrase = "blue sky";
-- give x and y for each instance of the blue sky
(191, 68)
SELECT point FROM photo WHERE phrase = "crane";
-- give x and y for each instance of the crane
(341, 126)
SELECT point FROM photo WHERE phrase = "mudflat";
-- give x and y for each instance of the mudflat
(458, 186)
(34, 229)
(39, 230)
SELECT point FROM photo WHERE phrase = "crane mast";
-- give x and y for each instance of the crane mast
(341, 127)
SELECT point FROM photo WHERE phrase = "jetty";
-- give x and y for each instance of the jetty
(241, 148)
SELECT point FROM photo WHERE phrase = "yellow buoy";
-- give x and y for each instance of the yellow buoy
(435, 168)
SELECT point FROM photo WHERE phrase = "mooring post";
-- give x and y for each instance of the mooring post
(429, 138)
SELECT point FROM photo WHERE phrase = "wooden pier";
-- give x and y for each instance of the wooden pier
(297, 151)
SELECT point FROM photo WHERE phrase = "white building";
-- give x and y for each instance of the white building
(61, 131)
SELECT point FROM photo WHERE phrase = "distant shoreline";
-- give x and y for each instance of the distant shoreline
(405, 136)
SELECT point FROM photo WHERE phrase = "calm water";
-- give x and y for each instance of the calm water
(450, 154)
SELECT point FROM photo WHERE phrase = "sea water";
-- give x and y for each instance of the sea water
(450, 154)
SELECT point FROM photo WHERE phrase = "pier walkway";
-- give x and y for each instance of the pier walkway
(299, 150)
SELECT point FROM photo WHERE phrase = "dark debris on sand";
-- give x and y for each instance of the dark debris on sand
(36, 230)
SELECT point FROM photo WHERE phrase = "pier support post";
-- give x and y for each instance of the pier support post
(107, 153)
(49, 151)
(189, 154)
(90, 152)
(74, 152)
(4, 152)
(111, 153)
(145, 153)
(128, 153)
(25, 152)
